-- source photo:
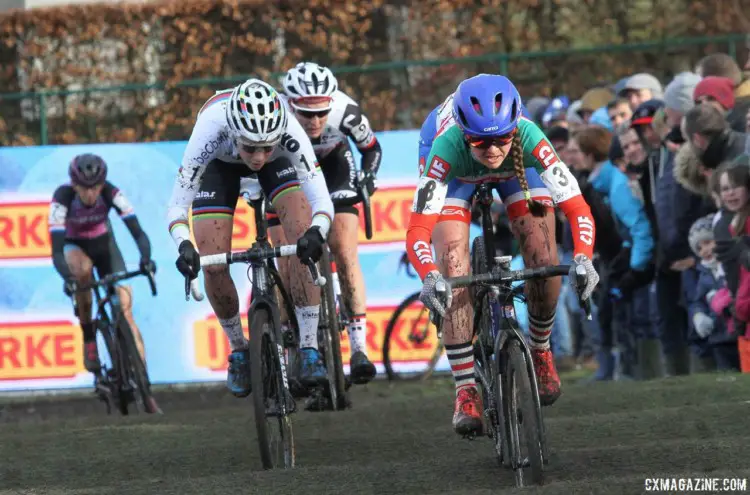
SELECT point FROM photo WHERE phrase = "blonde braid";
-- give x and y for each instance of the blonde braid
(536, 208)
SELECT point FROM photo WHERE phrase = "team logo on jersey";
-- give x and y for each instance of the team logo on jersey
(423, 252)
(438, 169)
(586, 230)
(545, 154)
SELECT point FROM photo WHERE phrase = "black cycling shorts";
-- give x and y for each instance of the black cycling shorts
(340, 173)
(220, 187)
(102, 250)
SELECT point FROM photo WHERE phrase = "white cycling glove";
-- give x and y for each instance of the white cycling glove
(436, 294)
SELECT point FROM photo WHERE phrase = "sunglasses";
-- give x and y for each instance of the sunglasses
(311, 114)
(484, 143)
(253, 148)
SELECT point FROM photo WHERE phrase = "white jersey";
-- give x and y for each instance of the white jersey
(345, 120)
(211, 140)
(444, 115)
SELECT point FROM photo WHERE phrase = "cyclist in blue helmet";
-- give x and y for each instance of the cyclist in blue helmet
(486, 140)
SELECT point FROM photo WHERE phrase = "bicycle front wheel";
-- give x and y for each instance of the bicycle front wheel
(135, 377)
(271, 400)
(521, 417)
(411, 349)
(332, 336)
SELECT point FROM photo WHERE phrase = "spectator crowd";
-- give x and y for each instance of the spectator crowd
(666, 170)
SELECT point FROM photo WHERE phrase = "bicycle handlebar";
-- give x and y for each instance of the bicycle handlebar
(114, 278)
(526, 274)
(254, 254)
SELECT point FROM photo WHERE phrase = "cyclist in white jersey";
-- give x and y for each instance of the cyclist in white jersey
(241, 132)
(330, 118)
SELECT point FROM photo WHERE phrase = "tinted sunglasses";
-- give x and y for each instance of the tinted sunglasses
(485, 142)
(310, 114)
(252, 148)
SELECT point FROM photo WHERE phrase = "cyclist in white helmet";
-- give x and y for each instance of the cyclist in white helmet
(247, 131)
(330, 117)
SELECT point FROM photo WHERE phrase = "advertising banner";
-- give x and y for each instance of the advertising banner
(40, 340)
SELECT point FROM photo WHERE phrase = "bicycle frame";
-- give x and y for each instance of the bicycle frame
(503, 324)
(263, 295)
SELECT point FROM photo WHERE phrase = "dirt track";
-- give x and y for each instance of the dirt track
(604, 439)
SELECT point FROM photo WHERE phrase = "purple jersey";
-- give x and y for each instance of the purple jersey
(68, 213)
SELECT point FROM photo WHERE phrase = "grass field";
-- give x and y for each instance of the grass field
(604, 438)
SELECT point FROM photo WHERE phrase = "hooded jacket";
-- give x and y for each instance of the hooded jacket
(629, 211)
(677, 208)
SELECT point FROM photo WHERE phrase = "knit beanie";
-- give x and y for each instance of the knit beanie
(701, 230)
(720, 89)
(678, 95)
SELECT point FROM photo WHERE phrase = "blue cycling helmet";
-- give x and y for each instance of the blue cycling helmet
(486, 105)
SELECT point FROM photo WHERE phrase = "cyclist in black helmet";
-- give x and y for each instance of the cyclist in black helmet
(82, 239)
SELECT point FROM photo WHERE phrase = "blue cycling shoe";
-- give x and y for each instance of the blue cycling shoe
(312, 370)
(238, 374)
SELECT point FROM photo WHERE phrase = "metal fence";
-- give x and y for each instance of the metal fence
(397, 94)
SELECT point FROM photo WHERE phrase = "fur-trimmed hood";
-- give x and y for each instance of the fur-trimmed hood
(687, 172)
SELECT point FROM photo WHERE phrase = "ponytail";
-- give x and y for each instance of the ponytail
(536, 208)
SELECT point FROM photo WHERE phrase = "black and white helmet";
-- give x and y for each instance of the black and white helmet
(310, 80)
(255, 113)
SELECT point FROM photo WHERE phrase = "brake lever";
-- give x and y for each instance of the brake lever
(580, 284)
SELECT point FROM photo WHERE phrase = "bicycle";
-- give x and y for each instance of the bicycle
(127, 380)
(411, 312)
(335, 317)
(272, 400)
(503, 365)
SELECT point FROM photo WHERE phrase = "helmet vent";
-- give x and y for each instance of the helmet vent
(462, 118)
(498, 102)
(475, 104)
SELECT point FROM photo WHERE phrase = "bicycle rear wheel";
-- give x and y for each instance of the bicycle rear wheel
(271, 401)
(332, 336)
(135, 376)
(521, 417)
(409, 329)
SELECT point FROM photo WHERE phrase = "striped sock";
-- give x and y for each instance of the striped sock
(461, 358)
(540, 330)
(358, 334)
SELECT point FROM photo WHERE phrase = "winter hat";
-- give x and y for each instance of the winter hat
(678, 95)
(720, 89)
(536, 106)
(596, 98)
(572, 115)
(620, 85)
(644, 114)
(555, 110)
(701, 230)
(644, 81)
(601, 117)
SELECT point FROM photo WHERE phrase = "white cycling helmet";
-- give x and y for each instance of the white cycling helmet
(255, 113)
(309, 80)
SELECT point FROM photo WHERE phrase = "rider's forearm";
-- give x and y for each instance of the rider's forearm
(58, 254)
(418, 248)
(578, 213)
(140, 237)
(371, 157)
(185, 186)
(315, 190)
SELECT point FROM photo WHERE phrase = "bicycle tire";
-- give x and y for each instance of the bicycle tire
(267, 379)
(518, 398)
(135, 367)
(332, 337)
(390, 372)
(103, 375)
